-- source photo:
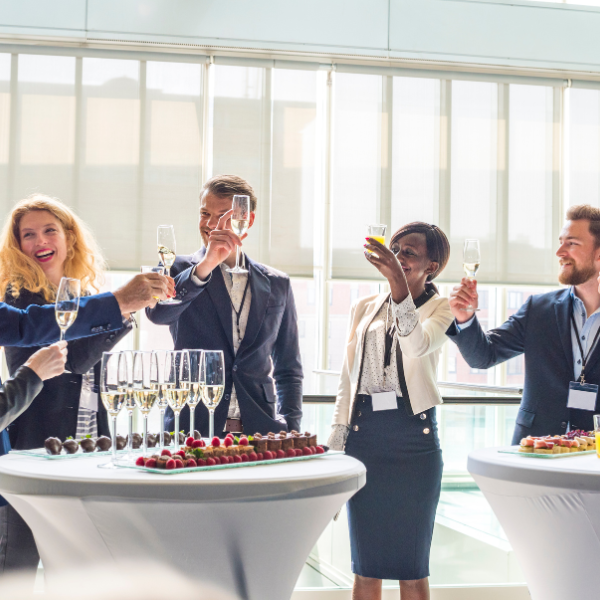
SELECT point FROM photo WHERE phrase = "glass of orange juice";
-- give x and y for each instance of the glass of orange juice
(377, 232)
(597, 432)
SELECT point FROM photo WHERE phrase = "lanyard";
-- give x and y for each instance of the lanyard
(238, 313)
(583, 358)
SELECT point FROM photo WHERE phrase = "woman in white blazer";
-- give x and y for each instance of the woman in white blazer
(385, 413)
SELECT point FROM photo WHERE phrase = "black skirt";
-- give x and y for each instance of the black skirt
(391, 518)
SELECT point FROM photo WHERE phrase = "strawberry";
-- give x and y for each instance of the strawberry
(280, 454)
(253, 456)
(237, 458)
(228, 442)
(210, 462)
(244, 457)
(165, 452)
(170, 464)
(298, 451)
(180, 453)
(228, 459)
(218, 460)
(216, 442)
(306, 451)
(313, 449)
(191, 463)
(178, 464)
(320, 450)
(201, 462)
(140, 462)
(198, 444)
(260, 456)
(189, 441)
(243, 441)
(291, 453)
(230, 435)
(151, 463)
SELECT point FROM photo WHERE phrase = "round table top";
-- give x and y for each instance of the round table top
(324, 475)
(573, 472)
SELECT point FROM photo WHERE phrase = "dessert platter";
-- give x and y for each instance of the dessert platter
(93, 446)
(574, 443)
(231, 452)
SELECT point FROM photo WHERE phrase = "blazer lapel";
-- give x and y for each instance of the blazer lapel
(217, 291)
(260, 287)
(562, 308)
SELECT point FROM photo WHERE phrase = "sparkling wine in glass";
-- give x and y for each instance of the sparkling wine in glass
(471, 262)
(111, 394)
(178, 390)
(165, 238)
(196, 384)
(214, 384)
(145, 387)
(240, 221)
(161, 399)
(67, 303)
(126, 385)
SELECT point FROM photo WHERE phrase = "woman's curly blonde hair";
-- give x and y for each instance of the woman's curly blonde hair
(17, 271)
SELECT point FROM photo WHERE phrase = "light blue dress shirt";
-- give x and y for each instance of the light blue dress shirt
(587, 326)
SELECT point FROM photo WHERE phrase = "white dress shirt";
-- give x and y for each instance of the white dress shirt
(235, 284)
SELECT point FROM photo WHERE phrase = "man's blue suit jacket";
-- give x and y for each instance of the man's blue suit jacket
(267, 369)
(541, 330)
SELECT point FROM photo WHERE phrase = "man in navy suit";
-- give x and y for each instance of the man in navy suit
(250, 317)
(557, 332)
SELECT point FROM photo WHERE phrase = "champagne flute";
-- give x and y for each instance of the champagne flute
(177, 392)
(214, 384)
(162, 403)
(196, 384)
(165, 238)
(240, 221)
(148, 269)
(126, 381)
(111, 394)
(67, 303)
(145, 387)
(471, 262)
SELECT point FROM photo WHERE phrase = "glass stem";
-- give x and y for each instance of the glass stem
(237, 257)
(62, 335)
(114, 438)
(211, 424)
(176, 432)
(162, 429)
(130, 436)
(145, 434)
(192, 419)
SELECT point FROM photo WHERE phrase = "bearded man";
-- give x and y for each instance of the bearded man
(558, 333)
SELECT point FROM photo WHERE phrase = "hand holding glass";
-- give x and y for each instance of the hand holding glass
(377, 232)
(67, 303)
(240, 221)
(471, 262)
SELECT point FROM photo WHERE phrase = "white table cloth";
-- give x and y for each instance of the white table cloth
(248, 530)
(550, 511)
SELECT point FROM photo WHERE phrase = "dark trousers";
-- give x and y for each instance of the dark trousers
(18, 552)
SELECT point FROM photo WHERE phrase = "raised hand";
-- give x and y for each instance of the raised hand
(145, 289)
(463, 296)
(48, 362)
(386, 262)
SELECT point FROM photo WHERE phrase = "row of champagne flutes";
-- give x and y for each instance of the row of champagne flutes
(145, 379)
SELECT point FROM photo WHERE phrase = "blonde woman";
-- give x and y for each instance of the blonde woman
(42, 241)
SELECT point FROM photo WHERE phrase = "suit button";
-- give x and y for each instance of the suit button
(226, 396)
(235, 367)
(423, 416)
(359, 414)
(563, 424)
(426, 430)
(355, 428)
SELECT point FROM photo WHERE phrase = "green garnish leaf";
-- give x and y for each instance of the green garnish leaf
(198, 452)
(89, 435)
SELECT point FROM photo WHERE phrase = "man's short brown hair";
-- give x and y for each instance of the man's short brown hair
(589, 213)
(225, 186)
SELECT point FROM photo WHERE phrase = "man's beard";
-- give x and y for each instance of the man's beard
(577, 276)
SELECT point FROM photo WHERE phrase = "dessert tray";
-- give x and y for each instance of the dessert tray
(515, 450)
(574, 443)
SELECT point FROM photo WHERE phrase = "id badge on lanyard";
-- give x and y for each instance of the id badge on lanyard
(583, 395)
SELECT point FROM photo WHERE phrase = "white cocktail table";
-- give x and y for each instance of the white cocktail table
(550, 511)
(247, 530)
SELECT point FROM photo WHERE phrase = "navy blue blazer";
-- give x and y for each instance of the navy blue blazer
(267, 369)
(541, 330)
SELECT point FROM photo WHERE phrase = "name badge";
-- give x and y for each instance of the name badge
(582, 395)
(384, 401)
(89, 400)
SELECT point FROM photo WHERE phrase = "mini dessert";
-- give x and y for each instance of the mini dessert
(166, 438)
(53, 446)
(259, 443)
(153, 440)
(87, 444)
(103, 443)
(136, 440)
(273, 442)
(300, 441)
(311, 438)
(121, 442)
(197, 435)
(526, 445)
(70, 446)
